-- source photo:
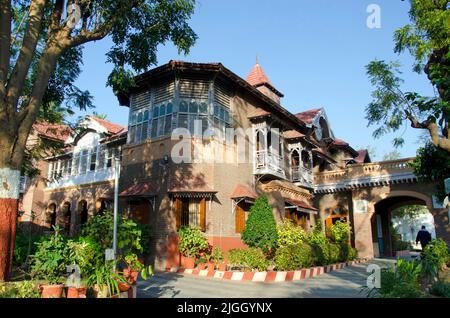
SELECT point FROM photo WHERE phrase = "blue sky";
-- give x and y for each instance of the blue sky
(313, 51)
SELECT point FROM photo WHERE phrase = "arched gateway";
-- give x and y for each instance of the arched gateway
(370, 192)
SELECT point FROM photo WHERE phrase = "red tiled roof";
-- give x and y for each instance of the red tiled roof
(57, 132)
(292, 134)
(111, 127)
(340, 142)
(300, 204)
(141, 189)
(242, 191)
(309, 115)
(258, 113)
(257, 76)
(194, 184)
(362, 154)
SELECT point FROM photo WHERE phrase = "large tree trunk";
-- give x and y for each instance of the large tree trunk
(9, 198)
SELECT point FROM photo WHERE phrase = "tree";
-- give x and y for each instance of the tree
(392, 155)
(260, 227)
(428, 40)
(41, 44)
(432, 164)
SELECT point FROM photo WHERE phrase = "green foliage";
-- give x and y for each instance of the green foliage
(294, 257)
(432, 164)
(248, 259)
(290, 234)
(347, 253)
(260, 228)
(23, 289)
(50, 260)
(104, 277)
(340, 231)
(427, 39)
(192, 242)
(85, 253)
(410, 211)
(334, 253)
(24, 246)
(130, 238)
(400, 245)
(217, 255)
(437, 253)
(441, 289)
(402, 281)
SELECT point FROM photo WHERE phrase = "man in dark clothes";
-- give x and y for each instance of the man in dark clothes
(424, 237)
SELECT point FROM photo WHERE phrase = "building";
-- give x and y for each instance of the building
(202, 143)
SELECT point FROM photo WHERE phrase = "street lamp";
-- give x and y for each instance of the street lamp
(116, 201)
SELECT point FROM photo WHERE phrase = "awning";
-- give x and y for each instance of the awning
(141, 189)
(192, 187)
(242, 191)
(301, 206)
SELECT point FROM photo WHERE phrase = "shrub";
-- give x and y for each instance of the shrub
(23, 289)
(192, 242)
(85, 253)
(260, 228)
(248, 259)
(437, 253)
(321, 253)
(317, 237)
(334, 253)
(347, 252)
(51, 258)
(289, 234)
(340, 231)
(24, 244)
(294, 257)
(217, 254)
(402, 281)
(441, 289)
(130, 236)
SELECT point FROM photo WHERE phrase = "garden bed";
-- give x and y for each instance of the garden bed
(266, 276)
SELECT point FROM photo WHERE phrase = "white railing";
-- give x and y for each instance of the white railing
(267, 162)
(302, 175)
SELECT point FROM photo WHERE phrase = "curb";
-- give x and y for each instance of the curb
(266, 277)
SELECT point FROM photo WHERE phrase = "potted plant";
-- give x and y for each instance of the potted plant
(191, 243)
(218, 258)
(210, 260)
(201, 264)
(48, 263)
(133, 267)
(105, 282)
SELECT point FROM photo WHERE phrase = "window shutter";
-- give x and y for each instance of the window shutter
(203, 214)
(178, 206)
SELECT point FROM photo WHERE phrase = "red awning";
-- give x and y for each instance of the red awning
(301, 206)
(141, 189)
(192, 187)
(242, 191)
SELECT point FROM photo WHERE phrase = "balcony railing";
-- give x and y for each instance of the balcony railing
(302, 175)
(269, 163)
(375, 169)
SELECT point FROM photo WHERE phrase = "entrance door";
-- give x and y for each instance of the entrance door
(240, 219)
(140, 211)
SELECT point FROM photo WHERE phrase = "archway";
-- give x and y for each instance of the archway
(67, 215)
(51, 215)
(383, 233)
(101, 206)
(82, 212)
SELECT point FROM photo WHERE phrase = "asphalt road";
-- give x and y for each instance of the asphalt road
(344, 283)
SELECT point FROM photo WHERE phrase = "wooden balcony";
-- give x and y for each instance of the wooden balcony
(302, 176)
(269, 163)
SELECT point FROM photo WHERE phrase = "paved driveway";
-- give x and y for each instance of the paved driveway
(344, 283)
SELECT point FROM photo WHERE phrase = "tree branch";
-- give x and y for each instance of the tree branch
(5, 40)
(30, 40)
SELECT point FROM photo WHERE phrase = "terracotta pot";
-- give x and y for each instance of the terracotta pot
(189, 262)
(211, 266)
(201, 266)
(73, 292)
(51, 291)
(131, 276)
(222, 267)
(124, 287)
(100, 293)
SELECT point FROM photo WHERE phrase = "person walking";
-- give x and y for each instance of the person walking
(424, 237)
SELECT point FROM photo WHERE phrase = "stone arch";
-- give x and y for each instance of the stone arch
(82, 210)
(51, 214)
(413, 194)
